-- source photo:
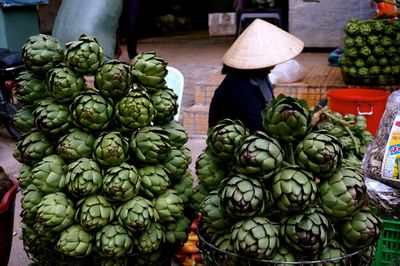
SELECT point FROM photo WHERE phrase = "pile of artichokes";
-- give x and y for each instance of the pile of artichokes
(281, 194)
(105, 170)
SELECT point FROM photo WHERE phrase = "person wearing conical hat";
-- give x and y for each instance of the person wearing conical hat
(246, 89)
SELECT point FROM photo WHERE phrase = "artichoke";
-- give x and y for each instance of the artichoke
(225, 137)
(75, 144)
(94, 212)
(55, 212)
(242, 196)
(25, 176)
(150, 144)
(176, 232)
(121, 183)
(51, 117)
(334, 250)
(255, 237)
(29, 87)
(154, 180)
(151, 239)
(305, 232)
(149, 70)
(41, 53)
(23, 119)
(287, 119)
(215, 220)
(32, 147)
(343, 193)
(259, 155)
(319, 153)
(91, 111)
(84, 55)
(84, 177)
(184, 187)
(293, 189)
(113, 240)
(136, 214)
(48, 175)
(165, 104)
(110, 148)
(113, 79)
(30, 199)
(64, 84)
(209, 170)
(176, 133)
(176, 163)
(135, 110)
(75, 242)
(284, 254)
(361, 230)
(169, 206)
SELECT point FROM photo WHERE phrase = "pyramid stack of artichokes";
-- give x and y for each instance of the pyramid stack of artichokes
(281, 194)
(105, 172)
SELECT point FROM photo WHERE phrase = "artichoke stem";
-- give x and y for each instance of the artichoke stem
(335, 119)
(352, 139)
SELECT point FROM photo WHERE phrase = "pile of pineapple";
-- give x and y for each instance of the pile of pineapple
(105, 172)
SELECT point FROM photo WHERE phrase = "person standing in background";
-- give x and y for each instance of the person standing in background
(246, 88)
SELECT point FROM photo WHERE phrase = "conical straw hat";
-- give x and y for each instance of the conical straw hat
(262, 45)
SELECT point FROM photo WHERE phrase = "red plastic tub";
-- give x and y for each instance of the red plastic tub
(367, 102)
(7, 209)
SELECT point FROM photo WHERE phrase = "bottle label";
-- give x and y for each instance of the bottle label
(391, 159)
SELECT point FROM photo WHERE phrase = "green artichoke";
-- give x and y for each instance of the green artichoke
(149, 70)
(75, 144)
(110, 148)
(184, 187)
(113, 79)
(293, 189)
(151, 239)
(48, 175)
(259, 155)
(136, 214)
(25, 176)
(343, 193)
(165, 104)
(23, 119)
(176, 232)
(51, 117)
(176, 162)
(215, 220)
(287, 119)
(94, 212)
(319, 153)
(113, 240)
(225, 137)
(154, 180)
(75, 242)
(30, 199)
(91, 111)
(41, 53)
(29, 88)
(32, 147)
(361, 230)
(84, 55)
(55, 212)
(255, 237)
(305, 232)
(84, 177)
(242, 196)
(176, 133)
(284, 254)
(169, 206)
(150, 145)
(121, 183)
(209, 170)
(64, 84)
(135, 110)
(334, 250)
